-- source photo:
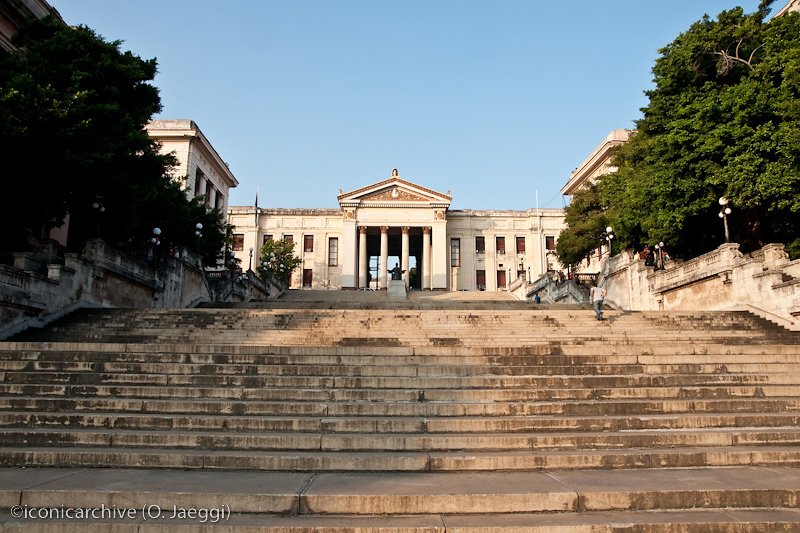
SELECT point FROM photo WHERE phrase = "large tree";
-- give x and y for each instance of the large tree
(73, 107)
(723, 121)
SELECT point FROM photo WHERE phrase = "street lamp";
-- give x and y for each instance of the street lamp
(100, 208)
(660, 248)
(198, 228)
(609, 238)
(250, 264)
(155, 241)
(724, 211)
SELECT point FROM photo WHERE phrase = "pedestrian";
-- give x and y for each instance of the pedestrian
(648, 256)
(597, 295)
(537, 299)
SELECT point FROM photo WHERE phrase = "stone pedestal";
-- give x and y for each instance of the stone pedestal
(397, 289)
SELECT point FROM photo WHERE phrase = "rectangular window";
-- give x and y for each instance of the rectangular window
(455, 252)
(308, 243)
(480, 245)
(209, 192)
(501, 245)
(520, 245)
(333, 251)
(198, 182)
(267, 238)
(238, 242)
(550, 243)
(308, 277)
(480, 279)
(289, 238)
(501, 279)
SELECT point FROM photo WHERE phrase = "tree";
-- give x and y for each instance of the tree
(277, 259)
(586, 220)
(72, 113)
(723, 120)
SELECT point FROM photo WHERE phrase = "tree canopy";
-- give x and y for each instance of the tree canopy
(722, 121)
(277, 260)
(72, 113)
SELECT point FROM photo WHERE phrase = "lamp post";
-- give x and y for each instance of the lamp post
(98, 206)
(660, 249)
(155, 242)
(198, 228)
(724, 211)
(609, 237)
(250, 264)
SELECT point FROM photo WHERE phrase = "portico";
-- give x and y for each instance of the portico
(394, 218)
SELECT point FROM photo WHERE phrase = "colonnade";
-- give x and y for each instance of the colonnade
(363, 267)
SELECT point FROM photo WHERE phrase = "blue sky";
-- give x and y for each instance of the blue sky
(493, 101)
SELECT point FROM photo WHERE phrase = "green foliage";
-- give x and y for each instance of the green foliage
(278, 260)
(72, 113)
(587, 221)
(723, 120)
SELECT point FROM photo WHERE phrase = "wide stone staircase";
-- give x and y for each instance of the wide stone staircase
(436, 415)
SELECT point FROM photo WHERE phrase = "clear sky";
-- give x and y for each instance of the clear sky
(491, 100)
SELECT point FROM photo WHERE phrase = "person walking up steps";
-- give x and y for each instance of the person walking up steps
(597, 295)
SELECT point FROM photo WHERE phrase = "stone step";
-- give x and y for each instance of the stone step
(398, 461)
(427, 442)
(380, 425)
(381, 370)
(635, 407)
(335, 494)
(391, 382)
(398, 395)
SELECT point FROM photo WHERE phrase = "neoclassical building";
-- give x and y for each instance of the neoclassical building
(200, 168)
(399, 223)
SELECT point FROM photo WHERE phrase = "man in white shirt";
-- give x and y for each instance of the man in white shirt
(597, 295)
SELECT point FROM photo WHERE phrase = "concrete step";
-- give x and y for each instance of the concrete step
(403, 494)
(398, 461)
(386, 442)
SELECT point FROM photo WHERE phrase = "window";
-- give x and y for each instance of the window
(267, 238)
(308, 277)
(209, 192)
(308, 243)
(198, 182)
(480, 245)
(501, 279)
(455, 252)
(289, 238)
(501, 245)
(550, 243)
(520, 245)
(238, 242)
(480, 279)
(333, 251)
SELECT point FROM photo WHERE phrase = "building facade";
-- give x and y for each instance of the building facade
(14, 12)
(200, 168)
(399, 223)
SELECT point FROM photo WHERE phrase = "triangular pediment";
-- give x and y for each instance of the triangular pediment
(394, 190)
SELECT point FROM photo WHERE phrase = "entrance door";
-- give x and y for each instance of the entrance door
(501, 279)
(307, 277)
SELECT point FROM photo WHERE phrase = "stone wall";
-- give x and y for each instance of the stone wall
(42, 287)
(765, 281)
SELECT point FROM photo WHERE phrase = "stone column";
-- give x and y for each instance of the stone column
(384, 255)
(439, 256)
(349, 251)
(404, 254)
(362, 256)
(426, 258)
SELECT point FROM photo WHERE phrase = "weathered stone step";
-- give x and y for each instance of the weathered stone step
(380, 425)
(395, 370)
(409, 382)
(455, 461)
(634, 407)
(565, 493)
(428, 442)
